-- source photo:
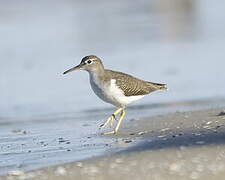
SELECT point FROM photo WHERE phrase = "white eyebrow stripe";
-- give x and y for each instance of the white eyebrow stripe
(90, 59)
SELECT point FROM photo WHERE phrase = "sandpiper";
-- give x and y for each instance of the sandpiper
(116, 88)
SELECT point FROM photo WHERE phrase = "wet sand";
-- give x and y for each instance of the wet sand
(182, 145)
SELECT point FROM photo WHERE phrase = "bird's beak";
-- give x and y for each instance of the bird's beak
(73, 69)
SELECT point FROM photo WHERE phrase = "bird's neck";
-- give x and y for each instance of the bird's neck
(97, 74)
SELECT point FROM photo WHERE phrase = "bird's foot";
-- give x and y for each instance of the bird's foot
(111, 132)
(109, 120)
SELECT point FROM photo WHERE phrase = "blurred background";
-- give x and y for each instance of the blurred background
(178, 42)
(49, 115)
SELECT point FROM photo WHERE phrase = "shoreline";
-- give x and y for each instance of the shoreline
(181, 145)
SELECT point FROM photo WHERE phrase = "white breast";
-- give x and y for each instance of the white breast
(111, 93)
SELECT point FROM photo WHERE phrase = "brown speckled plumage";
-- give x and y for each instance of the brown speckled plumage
(132, 86)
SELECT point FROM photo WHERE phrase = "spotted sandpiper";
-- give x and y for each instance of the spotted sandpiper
(116, 88)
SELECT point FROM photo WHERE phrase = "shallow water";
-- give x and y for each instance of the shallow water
(181, 44)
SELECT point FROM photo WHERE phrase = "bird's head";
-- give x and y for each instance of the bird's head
(89, 63)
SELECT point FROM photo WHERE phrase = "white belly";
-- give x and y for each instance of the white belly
(110, 93)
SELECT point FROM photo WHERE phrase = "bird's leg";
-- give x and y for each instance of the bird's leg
(111, 118)
(118, 124)
(123, 113)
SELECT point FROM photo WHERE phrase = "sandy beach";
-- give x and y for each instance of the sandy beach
(181, 145)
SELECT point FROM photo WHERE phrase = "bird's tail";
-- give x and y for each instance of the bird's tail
(159, 86)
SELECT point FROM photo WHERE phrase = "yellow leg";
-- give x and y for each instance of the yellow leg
(119, 121)
(111, 118)
(118, 124)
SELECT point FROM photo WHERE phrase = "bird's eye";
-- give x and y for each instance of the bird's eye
(89, 61)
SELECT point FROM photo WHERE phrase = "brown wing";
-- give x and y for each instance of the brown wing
(132, 86)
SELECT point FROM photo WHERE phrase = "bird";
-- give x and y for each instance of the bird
(116, 88)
